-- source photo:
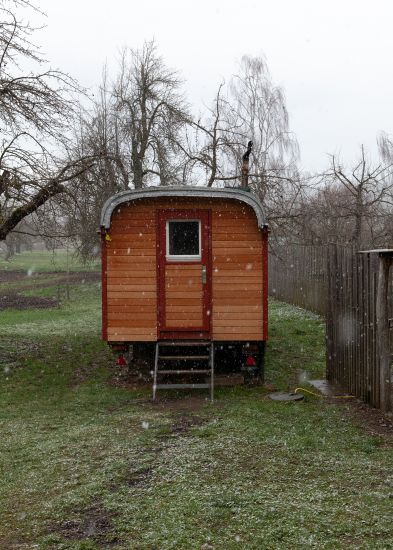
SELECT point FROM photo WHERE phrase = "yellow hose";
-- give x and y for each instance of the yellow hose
(320, 395)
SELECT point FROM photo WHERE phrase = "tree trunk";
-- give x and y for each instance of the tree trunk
(357, 237)
(10, 252)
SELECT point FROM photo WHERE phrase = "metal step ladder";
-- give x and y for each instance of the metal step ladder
(165, 354)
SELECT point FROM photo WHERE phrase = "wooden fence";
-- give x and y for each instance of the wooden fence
(298, 275)
(351, 336)
(353, 291)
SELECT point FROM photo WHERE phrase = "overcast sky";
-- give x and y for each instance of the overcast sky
(333, 58)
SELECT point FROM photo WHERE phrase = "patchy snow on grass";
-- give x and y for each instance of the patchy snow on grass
(85, 323)
(81, 315)
(281, 310)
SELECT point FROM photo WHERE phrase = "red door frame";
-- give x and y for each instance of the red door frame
(195, 333)
(265, 268)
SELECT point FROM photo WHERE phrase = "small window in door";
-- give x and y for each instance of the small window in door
(183, 240)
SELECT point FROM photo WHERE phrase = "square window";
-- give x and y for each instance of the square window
(183, 239)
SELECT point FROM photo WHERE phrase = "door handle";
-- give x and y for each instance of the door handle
(204, 275)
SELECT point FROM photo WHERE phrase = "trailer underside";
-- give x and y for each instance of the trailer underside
(231, 357)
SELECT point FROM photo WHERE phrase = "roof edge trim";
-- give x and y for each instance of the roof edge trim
(183, 191)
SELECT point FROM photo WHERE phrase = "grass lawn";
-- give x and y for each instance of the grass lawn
(43, 260)
(87, 465)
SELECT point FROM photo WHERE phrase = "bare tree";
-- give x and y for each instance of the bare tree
(204, 145)
(152, 111)
(324, 215)
(35, 107)
(130, 129)
(346, 205)
(97, 134)
(367, 186)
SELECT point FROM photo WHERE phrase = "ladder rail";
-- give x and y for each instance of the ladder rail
(212, 372)
(155, 371)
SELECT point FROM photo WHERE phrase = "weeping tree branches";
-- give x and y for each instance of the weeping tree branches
(259, 112)
(249, 108)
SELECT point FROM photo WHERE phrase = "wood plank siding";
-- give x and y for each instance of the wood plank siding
(237, 272)
(183, 290)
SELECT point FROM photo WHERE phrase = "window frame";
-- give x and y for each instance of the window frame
(183, 257)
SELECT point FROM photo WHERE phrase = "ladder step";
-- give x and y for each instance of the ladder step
(199, 343)
(182, 357)
(189, 371)
(178, 386)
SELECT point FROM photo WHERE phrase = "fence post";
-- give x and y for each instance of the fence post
(383, 331)
(328, 315)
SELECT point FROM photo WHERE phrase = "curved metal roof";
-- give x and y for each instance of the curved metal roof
(235, 193)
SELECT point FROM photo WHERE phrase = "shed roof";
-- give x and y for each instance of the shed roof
(182, 191)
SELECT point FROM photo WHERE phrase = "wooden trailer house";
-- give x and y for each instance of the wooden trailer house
(184, 269)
